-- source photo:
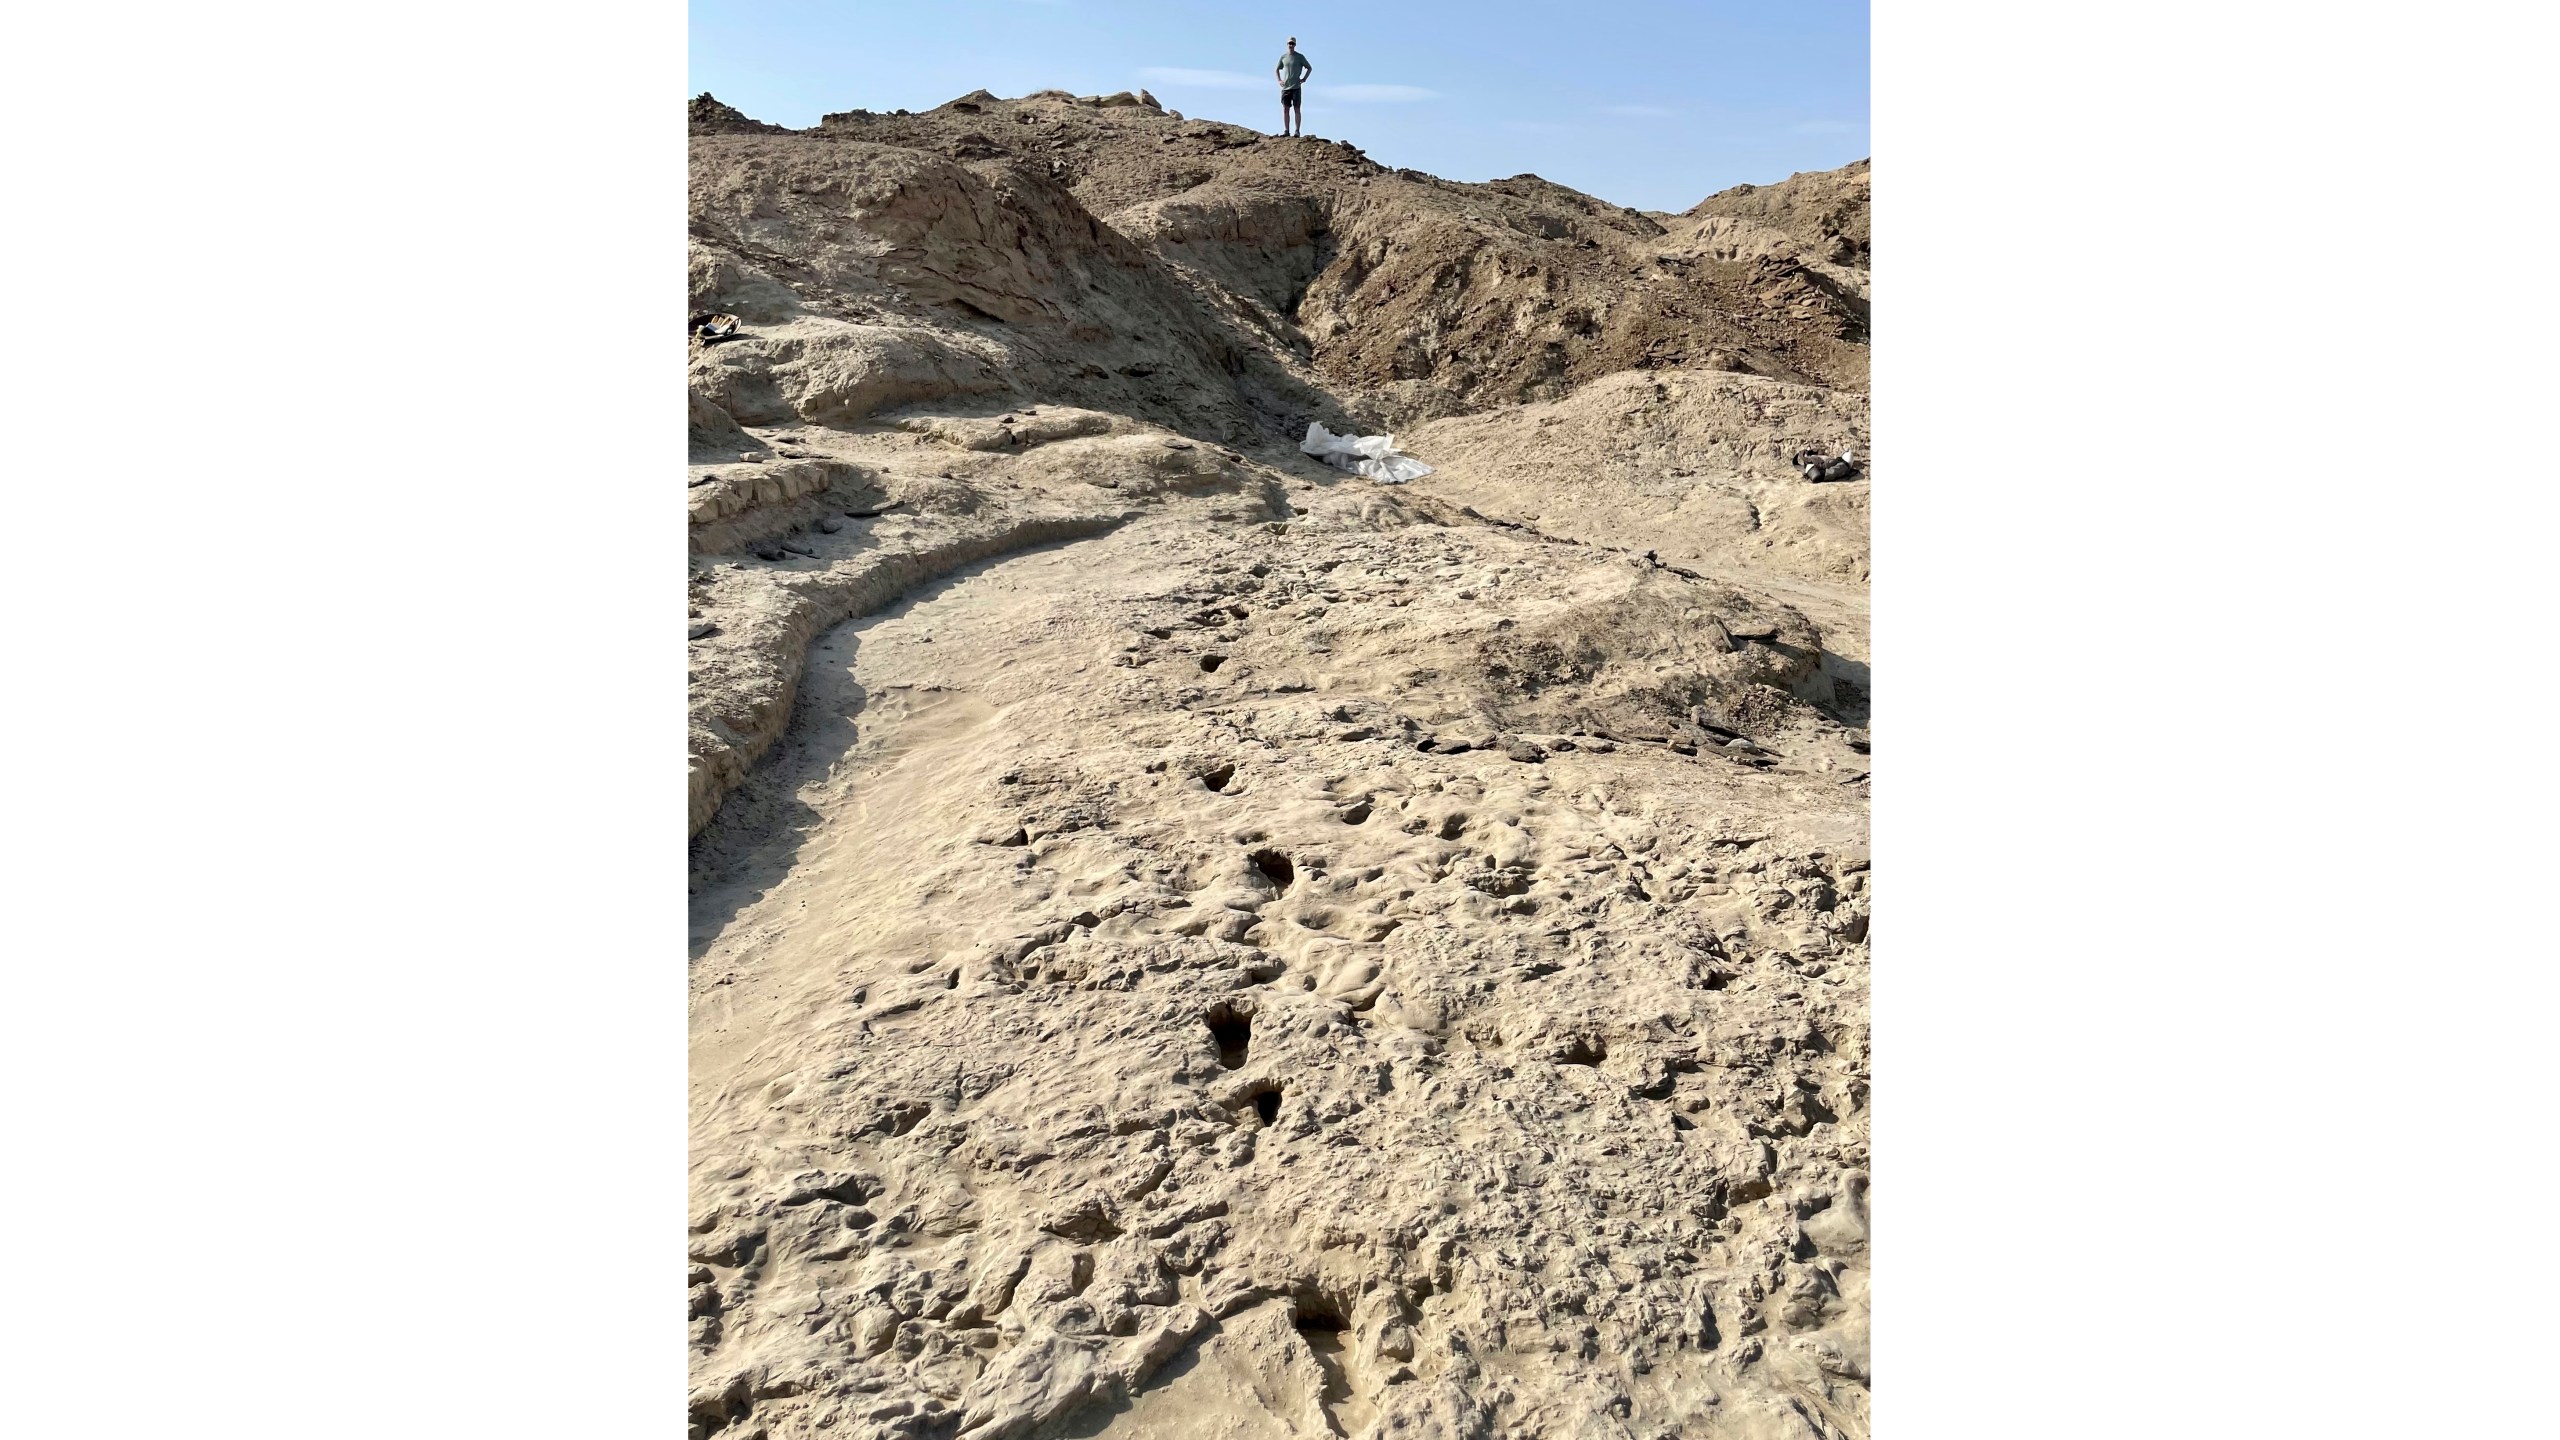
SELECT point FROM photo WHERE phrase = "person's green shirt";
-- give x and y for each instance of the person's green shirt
(1292, 69)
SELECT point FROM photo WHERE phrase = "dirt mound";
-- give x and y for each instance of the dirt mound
(704, 115)
(1405, 296)
(711, 431)
(1826, 210)
(873, 275)
(1693, 465)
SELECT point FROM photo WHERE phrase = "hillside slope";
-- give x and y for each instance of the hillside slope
(1406, 296)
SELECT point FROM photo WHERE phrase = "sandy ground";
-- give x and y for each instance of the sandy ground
(1548, 1036)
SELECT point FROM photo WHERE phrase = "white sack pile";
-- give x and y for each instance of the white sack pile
(1371, 455)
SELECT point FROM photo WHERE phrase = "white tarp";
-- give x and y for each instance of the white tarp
(1371, 455)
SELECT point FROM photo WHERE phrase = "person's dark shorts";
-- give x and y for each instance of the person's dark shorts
(1289, 96)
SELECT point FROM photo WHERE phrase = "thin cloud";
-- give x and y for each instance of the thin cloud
(1642, 112)
(1202, 79)
(1830, 127)
(1374, 94)
(1535, 127)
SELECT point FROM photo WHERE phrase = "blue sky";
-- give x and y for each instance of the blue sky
(1647, 103)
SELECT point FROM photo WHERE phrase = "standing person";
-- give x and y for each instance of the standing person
(1292, 71)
